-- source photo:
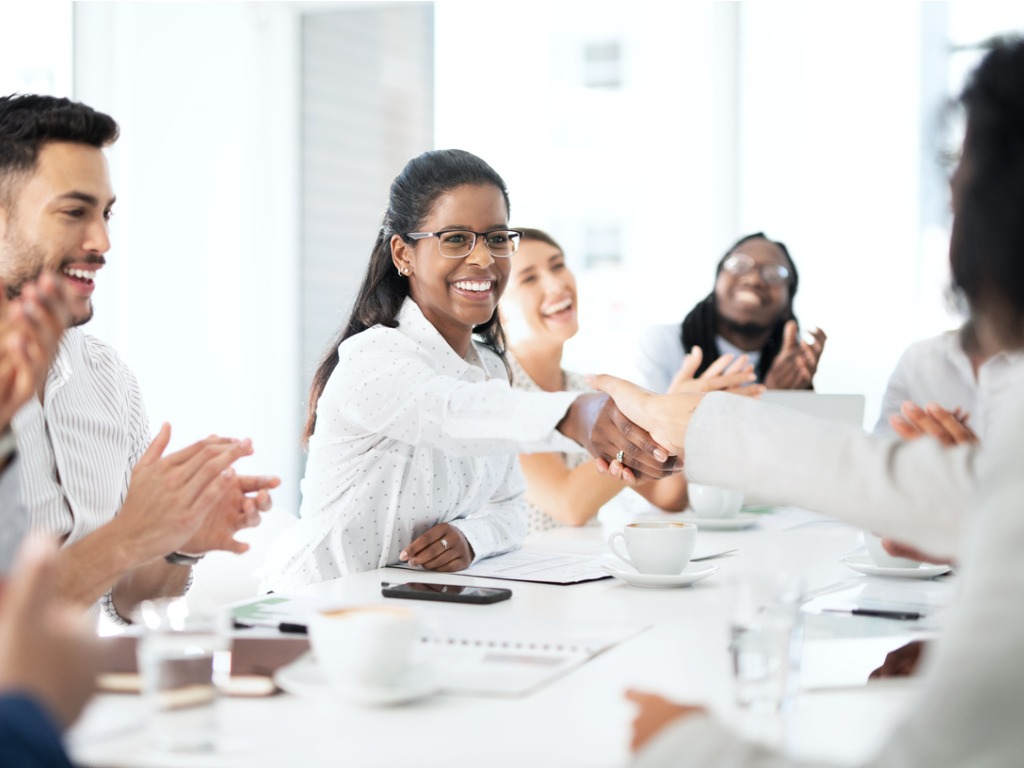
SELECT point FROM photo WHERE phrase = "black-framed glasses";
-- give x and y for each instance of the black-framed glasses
(740, 264)
(459, 243)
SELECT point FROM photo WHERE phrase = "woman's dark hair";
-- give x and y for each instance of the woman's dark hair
(700, 327)
(413, 194)
(987, 243)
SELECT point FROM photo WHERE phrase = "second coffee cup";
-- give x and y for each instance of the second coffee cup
(662, 548)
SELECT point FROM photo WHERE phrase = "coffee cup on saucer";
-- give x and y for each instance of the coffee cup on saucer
(656, 548)
(714, 501)
(365, 647)
(882, 558)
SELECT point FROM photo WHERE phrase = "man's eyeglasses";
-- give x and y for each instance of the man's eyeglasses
(459, 243)
(740, 264)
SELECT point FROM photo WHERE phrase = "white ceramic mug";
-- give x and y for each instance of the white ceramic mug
(656, 547)
(714, 501)
(883, 558)
(370, 646)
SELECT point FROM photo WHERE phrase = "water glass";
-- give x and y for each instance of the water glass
(184, 662)
(765, 632)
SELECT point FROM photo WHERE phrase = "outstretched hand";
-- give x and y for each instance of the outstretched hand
(598, 424)
(797, 362)
(665, 417)
(726, 374)
(654, 714)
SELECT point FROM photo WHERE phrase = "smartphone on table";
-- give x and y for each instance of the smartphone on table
(451, 593)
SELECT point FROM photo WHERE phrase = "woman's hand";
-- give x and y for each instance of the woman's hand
(948, 427)
(655, 713)
(441, 548)
(725, 374)
(900, 663)
(664, 417)
(797, 362)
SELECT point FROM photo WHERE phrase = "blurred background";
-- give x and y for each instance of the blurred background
(259, 140)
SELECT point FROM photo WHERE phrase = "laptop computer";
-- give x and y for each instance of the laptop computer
(845, 409)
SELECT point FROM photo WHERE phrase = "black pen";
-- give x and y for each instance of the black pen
(285, 626)
(879, 614)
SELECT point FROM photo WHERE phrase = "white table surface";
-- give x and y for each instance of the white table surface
(581, 719)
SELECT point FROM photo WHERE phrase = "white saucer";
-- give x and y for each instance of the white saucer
(864, 564)
(303, 677)
(691, 574)
(736, 523)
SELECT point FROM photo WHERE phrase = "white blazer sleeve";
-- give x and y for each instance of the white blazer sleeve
(915, 492)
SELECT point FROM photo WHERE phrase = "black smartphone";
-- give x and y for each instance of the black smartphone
(452, 593)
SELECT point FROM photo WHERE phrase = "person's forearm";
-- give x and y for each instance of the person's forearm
(570, 496)
(88, 569)
(152, 580)
(579, 419)
(669, 494)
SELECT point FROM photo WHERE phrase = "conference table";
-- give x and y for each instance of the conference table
(677, 646)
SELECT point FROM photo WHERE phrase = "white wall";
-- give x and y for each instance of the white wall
(199, 294)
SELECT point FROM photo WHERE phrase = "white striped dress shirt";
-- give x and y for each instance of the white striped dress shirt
(77, 448)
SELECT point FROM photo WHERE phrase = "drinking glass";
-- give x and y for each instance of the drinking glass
(184, 662)
(765, 634)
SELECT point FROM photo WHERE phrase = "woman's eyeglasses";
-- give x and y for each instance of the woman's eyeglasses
(740, 264)
(459, 243)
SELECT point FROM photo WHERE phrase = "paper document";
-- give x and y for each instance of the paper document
(534, 565)
(514, 658)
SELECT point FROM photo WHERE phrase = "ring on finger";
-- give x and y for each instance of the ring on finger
(444, 543)
(621, 457)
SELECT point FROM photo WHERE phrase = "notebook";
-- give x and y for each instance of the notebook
(844, 409)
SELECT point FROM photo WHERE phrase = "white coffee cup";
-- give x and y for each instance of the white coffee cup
(364, 647)
(656, 547)
(714, 501)
(883, 558)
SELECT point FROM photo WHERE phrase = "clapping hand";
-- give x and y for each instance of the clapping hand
(948, 427)
(797, 362)
(725, 374)
(30, 328)
(192, 500)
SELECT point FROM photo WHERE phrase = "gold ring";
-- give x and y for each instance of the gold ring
(621, 457)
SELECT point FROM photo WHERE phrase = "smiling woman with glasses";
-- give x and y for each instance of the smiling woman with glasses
(749, 312)
(412, 428)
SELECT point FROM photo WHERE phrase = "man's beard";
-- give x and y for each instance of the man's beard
(749, 330)
(32, 254)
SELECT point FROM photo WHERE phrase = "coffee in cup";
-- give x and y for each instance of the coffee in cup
(365, 647)
(661, 548)
(714, 501)
(883, 558)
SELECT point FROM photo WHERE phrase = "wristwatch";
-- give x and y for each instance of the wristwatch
(182, 558)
